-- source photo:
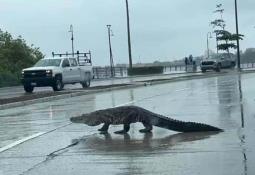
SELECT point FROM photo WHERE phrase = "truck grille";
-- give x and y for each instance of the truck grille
(208, 63)
(34, 74)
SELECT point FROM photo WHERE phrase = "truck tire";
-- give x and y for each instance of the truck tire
(233, 64)
(58, 84)
(218, 68)
(85, 84)
(28, 88)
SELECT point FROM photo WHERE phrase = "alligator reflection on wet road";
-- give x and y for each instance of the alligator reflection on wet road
(63, 148)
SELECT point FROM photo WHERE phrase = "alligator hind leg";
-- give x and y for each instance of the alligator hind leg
(104, 128)
(148, 128)
(125, 129)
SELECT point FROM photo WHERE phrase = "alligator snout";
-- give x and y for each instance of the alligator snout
(75, 120)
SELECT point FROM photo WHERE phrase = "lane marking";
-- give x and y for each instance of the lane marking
(20, 141)
(5, 148)
(184, 89)
(124, 104)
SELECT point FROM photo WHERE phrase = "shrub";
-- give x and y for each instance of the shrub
(8, 79)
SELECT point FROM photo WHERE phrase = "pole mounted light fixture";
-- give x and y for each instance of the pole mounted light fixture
(209, 35)
(110, 50)
(72, 38)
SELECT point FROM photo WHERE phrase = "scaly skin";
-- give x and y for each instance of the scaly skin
(131, 114)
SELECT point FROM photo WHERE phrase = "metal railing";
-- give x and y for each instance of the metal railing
(105, 72)
(247, 65)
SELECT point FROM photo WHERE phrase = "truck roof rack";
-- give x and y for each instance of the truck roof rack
(84, 58)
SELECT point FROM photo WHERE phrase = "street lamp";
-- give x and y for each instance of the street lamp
(110, 49)
(129, 41)
(237, 38)
(71, 30)
(208, 54)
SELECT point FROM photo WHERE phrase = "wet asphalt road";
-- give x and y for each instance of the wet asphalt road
(54, 146)
(9, 92)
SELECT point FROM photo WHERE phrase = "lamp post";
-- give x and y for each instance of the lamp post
(71, 30)
(237, 38)
(208, 52)
(217, 43)
(110, 49)
(129, 40)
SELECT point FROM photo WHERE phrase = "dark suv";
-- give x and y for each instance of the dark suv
(210, 65)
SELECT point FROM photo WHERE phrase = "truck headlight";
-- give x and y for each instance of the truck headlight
(48, 72)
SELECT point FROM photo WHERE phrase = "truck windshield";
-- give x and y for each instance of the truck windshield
(48, 62)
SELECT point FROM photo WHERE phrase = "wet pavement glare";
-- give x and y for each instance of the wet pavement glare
(226, 102)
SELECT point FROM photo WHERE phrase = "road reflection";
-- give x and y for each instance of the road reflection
(230, 96)
(242, 138)
(109, 143)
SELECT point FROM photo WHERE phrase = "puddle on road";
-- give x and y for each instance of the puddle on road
(146, 142)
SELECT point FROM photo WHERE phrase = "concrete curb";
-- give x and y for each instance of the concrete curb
(63, 96)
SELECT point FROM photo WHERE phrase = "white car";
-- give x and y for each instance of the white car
(56, 72)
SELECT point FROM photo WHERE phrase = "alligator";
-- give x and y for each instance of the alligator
(131, 114)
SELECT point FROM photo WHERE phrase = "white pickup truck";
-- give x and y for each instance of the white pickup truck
(56, 72)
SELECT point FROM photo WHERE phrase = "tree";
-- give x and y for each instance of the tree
(228, 38)
(225, 39)
(15, 55)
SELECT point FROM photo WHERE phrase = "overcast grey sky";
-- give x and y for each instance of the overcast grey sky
(162, 30)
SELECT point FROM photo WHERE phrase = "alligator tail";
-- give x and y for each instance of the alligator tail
(181, 126)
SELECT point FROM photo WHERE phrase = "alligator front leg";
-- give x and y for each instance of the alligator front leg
(105, 128)
(125, 129)
(148, 128)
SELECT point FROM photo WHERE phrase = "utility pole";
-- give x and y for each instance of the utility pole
(129, 41)
(208, 51)
(237, 40)
(217, 43)
(71, 30)
(110, 49)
